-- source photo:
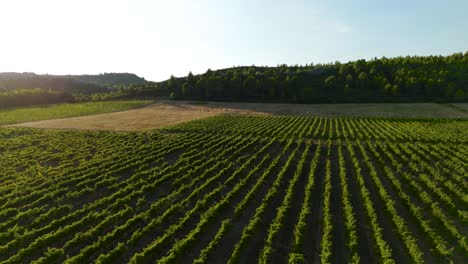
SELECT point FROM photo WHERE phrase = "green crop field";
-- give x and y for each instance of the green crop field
(238, 189)
(45, 112)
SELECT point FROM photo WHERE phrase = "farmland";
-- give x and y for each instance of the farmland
(167, 113)
(44, 112)
(238, 189)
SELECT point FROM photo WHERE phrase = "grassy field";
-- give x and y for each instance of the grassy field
(27, 114)
(238, 189)
(174, 112)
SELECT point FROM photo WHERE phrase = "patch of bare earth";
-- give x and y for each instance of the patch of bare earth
(151, 117)
(167, 113)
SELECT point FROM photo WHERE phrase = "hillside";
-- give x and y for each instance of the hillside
(18, 89)
(14, 81)
(400, 79)
(71, 83)
(109, 79)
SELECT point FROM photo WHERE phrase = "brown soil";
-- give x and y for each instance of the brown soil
(151, 117)
(167, 113)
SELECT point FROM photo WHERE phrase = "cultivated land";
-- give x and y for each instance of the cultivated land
(45, 112)
(166, 113)
(389, 110)
(238, 189)
(154, 116)
(462, 107)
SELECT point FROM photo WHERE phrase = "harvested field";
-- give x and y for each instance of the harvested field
(387, 110)
(167, 113)
(154, 116)
(462, 106)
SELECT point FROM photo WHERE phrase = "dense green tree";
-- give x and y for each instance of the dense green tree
(174, 87)
(330, 81)
(235, 86)
(388, 88)
(187, 89)
(249, 86)
(271, 86)
(307, 93)
(349, 80)
(363, 81)
(200, 90)
(347, 90)
(459, 95)
(395, 89)
(450, 90)
(191, 79)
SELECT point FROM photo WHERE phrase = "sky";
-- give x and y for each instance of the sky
(155, 38)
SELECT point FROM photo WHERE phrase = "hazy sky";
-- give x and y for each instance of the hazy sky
(155, 38)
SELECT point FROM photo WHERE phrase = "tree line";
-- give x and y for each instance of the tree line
(22, 97)
(400, 79)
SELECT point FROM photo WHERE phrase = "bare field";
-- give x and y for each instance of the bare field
(169, 113)
(151, 117)
(462, 106)
(390, 110)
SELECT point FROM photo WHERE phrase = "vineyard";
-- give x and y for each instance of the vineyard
(238, 189)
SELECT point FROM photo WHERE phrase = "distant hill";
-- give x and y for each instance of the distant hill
(109, 79)
(75, 84)
(17, 89)
(70, 83)
(13, 81)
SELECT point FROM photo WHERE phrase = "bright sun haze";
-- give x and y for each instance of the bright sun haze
(155, 39)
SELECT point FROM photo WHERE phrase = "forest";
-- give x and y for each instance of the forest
(400, 79)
